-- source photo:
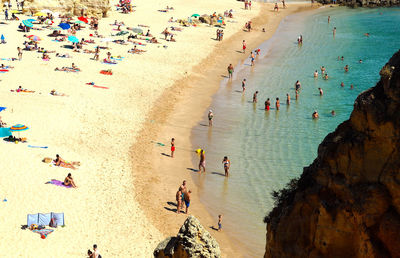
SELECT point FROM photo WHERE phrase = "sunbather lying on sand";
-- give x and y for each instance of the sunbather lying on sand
(153, 40)
(55, 93)
(2, 66)
(63, 55)
(87, 51)
(20, 89)
(2, 124)
(176, 28)
(135, 50)
(66, 69)
(62, 163)
(69, 181)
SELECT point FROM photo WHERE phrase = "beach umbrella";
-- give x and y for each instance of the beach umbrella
(5, 132)
(83, 19)
(46, 11)
(2, 39)
(14, 11)
(195, 15)
(73, 39)
(137, 30)
(31, 20)
(2, 108)
(18, 128)
(35, 38)
(40, 14)
(78, 22)
(27, 23)
(121, 33)
(64, 26)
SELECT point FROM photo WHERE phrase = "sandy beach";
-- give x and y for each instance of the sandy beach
(124, 183)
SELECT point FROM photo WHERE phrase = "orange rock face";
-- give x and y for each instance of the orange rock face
(347, 202)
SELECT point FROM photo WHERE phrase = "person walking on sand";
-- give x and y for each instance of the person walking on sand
(227, 164)
(179, 201)
(277, 104)
(6, 14)
(219, 222)
(19, 53)
(252, 58)
(202, 163)
(183, 187)
(276, 8)
(172, 147)
(210, 118)
(255, 97)
(186, 196)
(244, 46)
(96, 53)
(243, 85)
(230, 71)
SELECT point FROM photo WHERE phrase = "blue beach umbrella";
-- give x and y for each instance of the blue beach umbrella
(27, 23)
(31, 20)
(64, 26)
(2, 108)
(2, 38)
(73, 39)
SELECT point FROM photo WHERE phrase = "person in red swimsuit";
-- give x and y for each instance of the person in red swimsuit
(267, 104)
(172, 147)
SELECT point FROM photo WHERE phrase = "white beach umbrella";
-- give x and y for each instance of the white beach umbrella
(46, 11)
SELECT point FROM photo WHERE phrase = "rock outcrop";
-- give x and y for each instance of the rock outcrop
(363, 3)
(98, 8)
(347, 202)
(192, 241)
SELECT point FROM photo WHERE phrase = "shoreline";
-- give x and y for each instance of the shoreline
(185, 104)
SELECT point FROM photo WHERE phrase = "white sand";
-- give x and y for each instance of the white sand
(94, 126)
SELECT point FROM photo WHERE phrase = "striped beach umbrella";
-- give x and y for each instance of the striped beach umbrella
(27, 23)
(18, 128)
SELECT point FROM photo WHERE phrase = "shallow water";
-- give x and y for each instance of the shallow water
(267, 149)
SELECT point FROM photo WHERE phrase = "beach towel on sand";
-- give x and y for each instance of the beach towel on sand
(58, 183)
(43, 232)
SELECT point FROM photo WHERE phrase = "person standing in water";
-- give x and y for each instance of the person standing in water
(342, 84)
(227, 163)
(351, 86)
(297, 85)
(334, 32)
(346, 68)
(255, 97)
(277, 104)
(172, 147)
(267, 104)
(323, 70)
(243, 85)
(230, 71)
(320, 92)
(287, 99)
(329, 19)
(316, 74)
(210, 118)
(315, 115)
(202, 163)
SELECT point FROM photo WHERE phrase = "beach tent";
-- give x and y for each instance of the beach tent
(44, 219)
(5, 132)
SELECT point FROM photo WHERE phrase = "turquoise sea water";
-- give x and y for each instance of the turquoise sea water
(267, 149)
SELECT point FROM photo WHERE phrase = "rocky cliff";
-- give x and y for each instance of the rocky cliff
(362, 3)
(192, 241)
(347, 202)
(98, 8)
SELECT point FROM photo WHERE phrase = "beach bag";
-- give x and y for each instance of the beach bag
(53, 223)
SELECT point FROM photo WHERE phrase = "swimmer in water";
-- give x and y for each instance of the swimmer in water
(351, 86)
(277, 104)
(366, 34)
(315, 115)
(342, 58)
(346, 68)
(360, 61)
(287, 98)
(316, 74)
(333, 113)
(255, 97)
(326, 77)
(267, 104)
(320, 92)
(342, 84)
(243, 85)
